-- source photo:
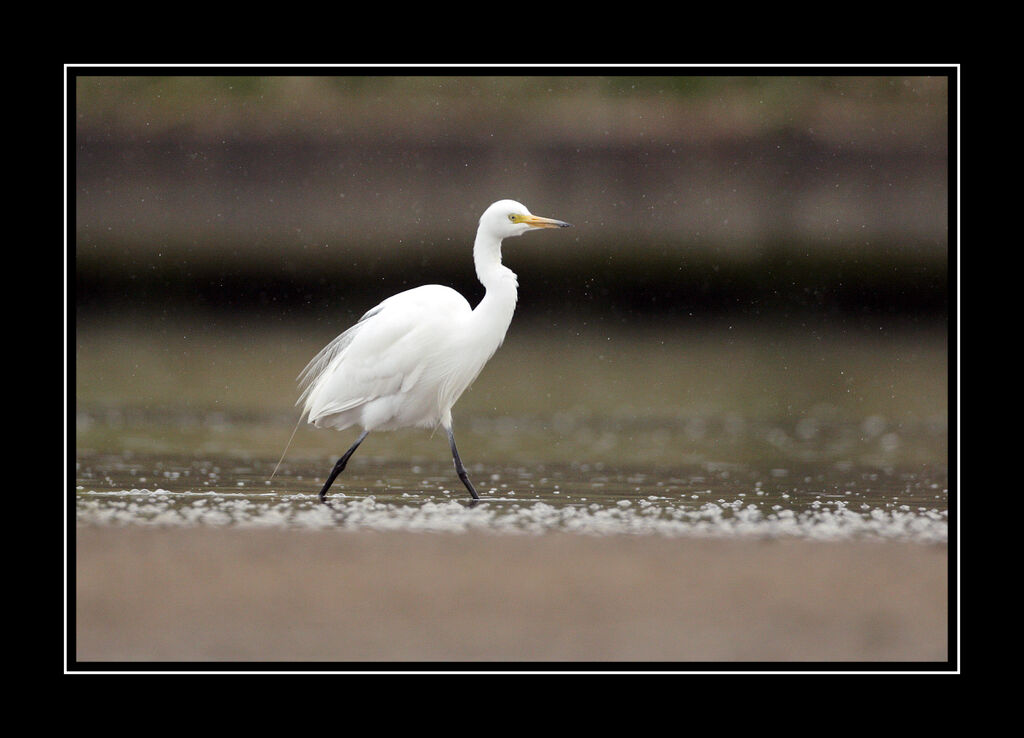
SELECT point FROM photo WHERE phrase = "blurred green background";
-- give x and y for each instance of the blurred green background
(744, 246)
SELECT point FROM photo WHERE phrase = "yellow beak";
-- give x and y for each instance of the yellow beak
(538, 222)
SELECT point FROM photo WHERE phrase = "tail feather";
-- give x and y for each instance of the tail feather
(287, 446)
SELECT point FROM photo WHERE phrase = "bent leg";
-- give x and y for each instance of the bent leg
(340, 466)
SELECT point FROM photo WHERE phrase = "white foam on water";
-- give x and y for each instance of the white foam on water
(507, 515)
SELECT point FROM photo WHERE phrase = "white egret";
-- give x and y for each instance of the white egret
(408, 360)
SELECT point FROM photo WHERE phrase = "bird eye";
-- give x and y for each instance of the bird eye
(512, 217)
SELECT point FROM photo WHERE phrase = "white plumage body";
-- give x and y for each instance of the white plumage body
(404, 364)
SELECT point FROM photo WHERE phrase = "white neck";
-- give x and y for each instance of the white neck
(495, 311)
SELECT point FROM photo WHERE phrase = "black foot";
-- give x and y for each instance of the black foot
(339, 467)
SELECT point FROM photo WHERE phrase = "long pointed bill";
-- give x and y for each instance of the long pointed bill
(538, 222)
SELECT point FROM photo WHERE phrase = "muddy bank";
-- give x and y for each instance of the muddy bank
(233, 596)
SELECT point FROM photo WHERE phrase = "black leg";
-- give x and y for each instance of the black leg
(459, 468)
(340, 466)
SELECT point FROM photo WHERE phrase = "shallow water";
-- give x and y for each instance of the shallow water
(806, 501)
(734, 433)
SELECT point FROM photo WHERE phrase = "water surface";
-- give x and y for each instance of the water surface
(733, 432)
(804, 500)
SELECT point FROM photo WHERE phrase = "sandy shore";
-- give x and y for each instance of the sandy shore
(276, 595)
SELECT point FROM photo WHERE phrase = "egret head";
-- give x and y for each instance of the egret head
(507, 218)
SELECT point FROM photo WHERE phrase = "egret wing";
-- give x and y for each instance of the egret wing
(383, 354)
